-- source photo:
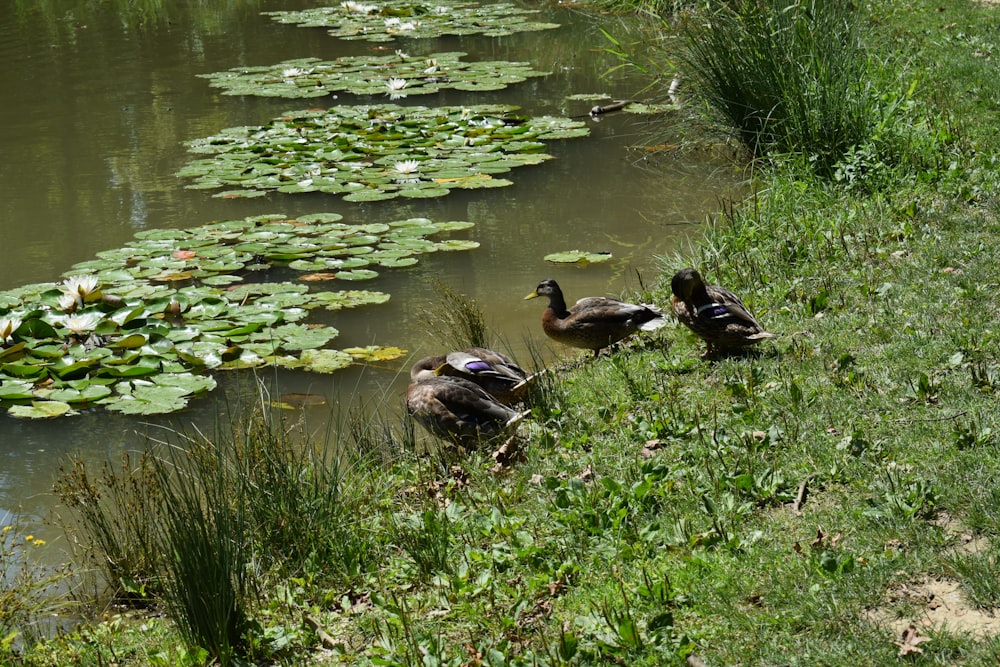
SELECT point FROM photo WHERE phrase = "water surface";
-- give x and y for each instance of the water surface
(100, 97)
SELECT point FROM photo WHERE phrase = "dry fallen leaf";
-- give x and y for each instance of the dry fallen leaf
(910, 641)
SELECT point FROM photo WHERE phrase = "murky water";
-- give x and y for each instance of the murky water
(97, 102)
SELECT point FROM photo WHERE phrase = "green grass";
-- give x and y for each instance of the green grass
(795, 77)
(751, 510)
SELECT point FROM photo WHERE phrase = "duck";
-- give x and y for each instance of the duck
(714, 314)
(459, 411)
(594, 322)
(494, 371)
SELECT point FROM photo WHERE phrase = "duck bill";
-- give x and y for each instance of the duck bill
(531, 296)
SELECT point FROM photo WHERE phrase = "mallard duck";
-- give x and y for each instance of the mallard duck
(594, 322)
(493, 371)
(714, 314)
(458, 410)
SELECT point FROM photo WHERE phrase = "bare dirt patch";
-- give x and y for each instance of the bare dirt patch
(938, 604)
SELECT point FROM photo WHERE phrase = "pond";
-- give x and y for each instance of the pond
(100, 98)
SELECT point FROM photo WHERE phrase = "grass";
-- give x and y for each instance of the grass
(768, 508)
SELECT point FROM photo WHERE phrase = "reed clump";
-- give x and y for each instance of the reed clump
(793, 77)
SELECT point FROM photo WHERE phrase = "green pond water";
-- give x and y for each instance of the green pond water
(100, 98)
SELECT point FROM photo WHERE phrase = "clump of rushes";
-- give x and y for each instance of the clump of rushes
(791, 77)
(27, 590)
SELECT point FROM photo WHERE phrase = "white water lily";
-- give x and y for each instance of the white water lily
(402, 54)
(395, 87)
(68, 302)
(407, 26)
(357, 7)
(81, 324)
(406, 166)
(80, 287)
(441, 9)
(432, 66)
(8, 325)
(293, 72)
(391, 22)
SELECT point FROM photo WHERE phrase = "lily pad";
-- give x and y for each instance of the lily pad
(41, 410)
(385, 21)
(325, 361)
(398, 75)
(108, 336)
(382, 151)
(578, 257)
(375, 353)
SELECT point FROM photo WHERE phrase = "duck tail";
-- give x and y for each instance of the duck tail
(655, 323)
(515, 418)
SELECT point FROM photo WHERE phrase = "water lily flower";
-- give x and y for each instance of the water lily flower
(391, 21)
(432, 66)
(8, 325)
(402, 54)
(290, 72)
(68, 302)
(406, 166)
(441, 9)
(81, 324)
(357, 7)
(395, 86)
(79, 287)
(407, 26)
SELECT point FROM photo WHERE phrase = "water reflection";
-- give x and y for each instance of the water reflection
(101, 96)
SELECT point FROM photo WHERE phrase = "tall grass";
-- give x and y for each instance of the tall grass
(219, 515)
(208, 582)
(791, 77)
(118, 510)
(27, 590)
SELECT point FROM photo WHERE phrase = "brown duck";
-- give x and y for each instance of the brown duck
(714, 314)
(458, 410)
(495, 372)
(594, 322)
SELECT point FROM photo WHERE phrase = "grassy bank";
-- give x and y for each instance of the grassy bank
(806, 504)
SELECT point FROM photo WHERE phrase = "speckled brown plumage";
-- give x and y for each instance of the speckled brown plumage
(714, 314)
(459, 411)
(495, 372)
(594, 322)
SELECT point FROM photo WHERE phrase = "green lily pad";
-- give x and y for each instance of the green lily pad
(138, 347)
(383, 151)
(398, 75)
(578, 257)
(375, 353)
(40, 410)
(385, 21)
(325, 361)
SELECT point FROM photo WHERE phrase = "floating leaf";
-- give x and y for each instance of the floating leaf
(375, 353)
(398, 75)
(578, 257)
(325, 361)
(382, 151)
(383, 22)
(134, 349)
(40, 410)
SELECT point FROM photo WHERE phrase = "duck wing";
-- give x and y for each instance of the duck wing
(605, 310)
(728, 310)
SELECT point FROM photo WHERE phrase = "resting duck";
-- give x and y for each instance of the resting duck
(458, 410)
(594, 322)
(714, 314)
(495, 372)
